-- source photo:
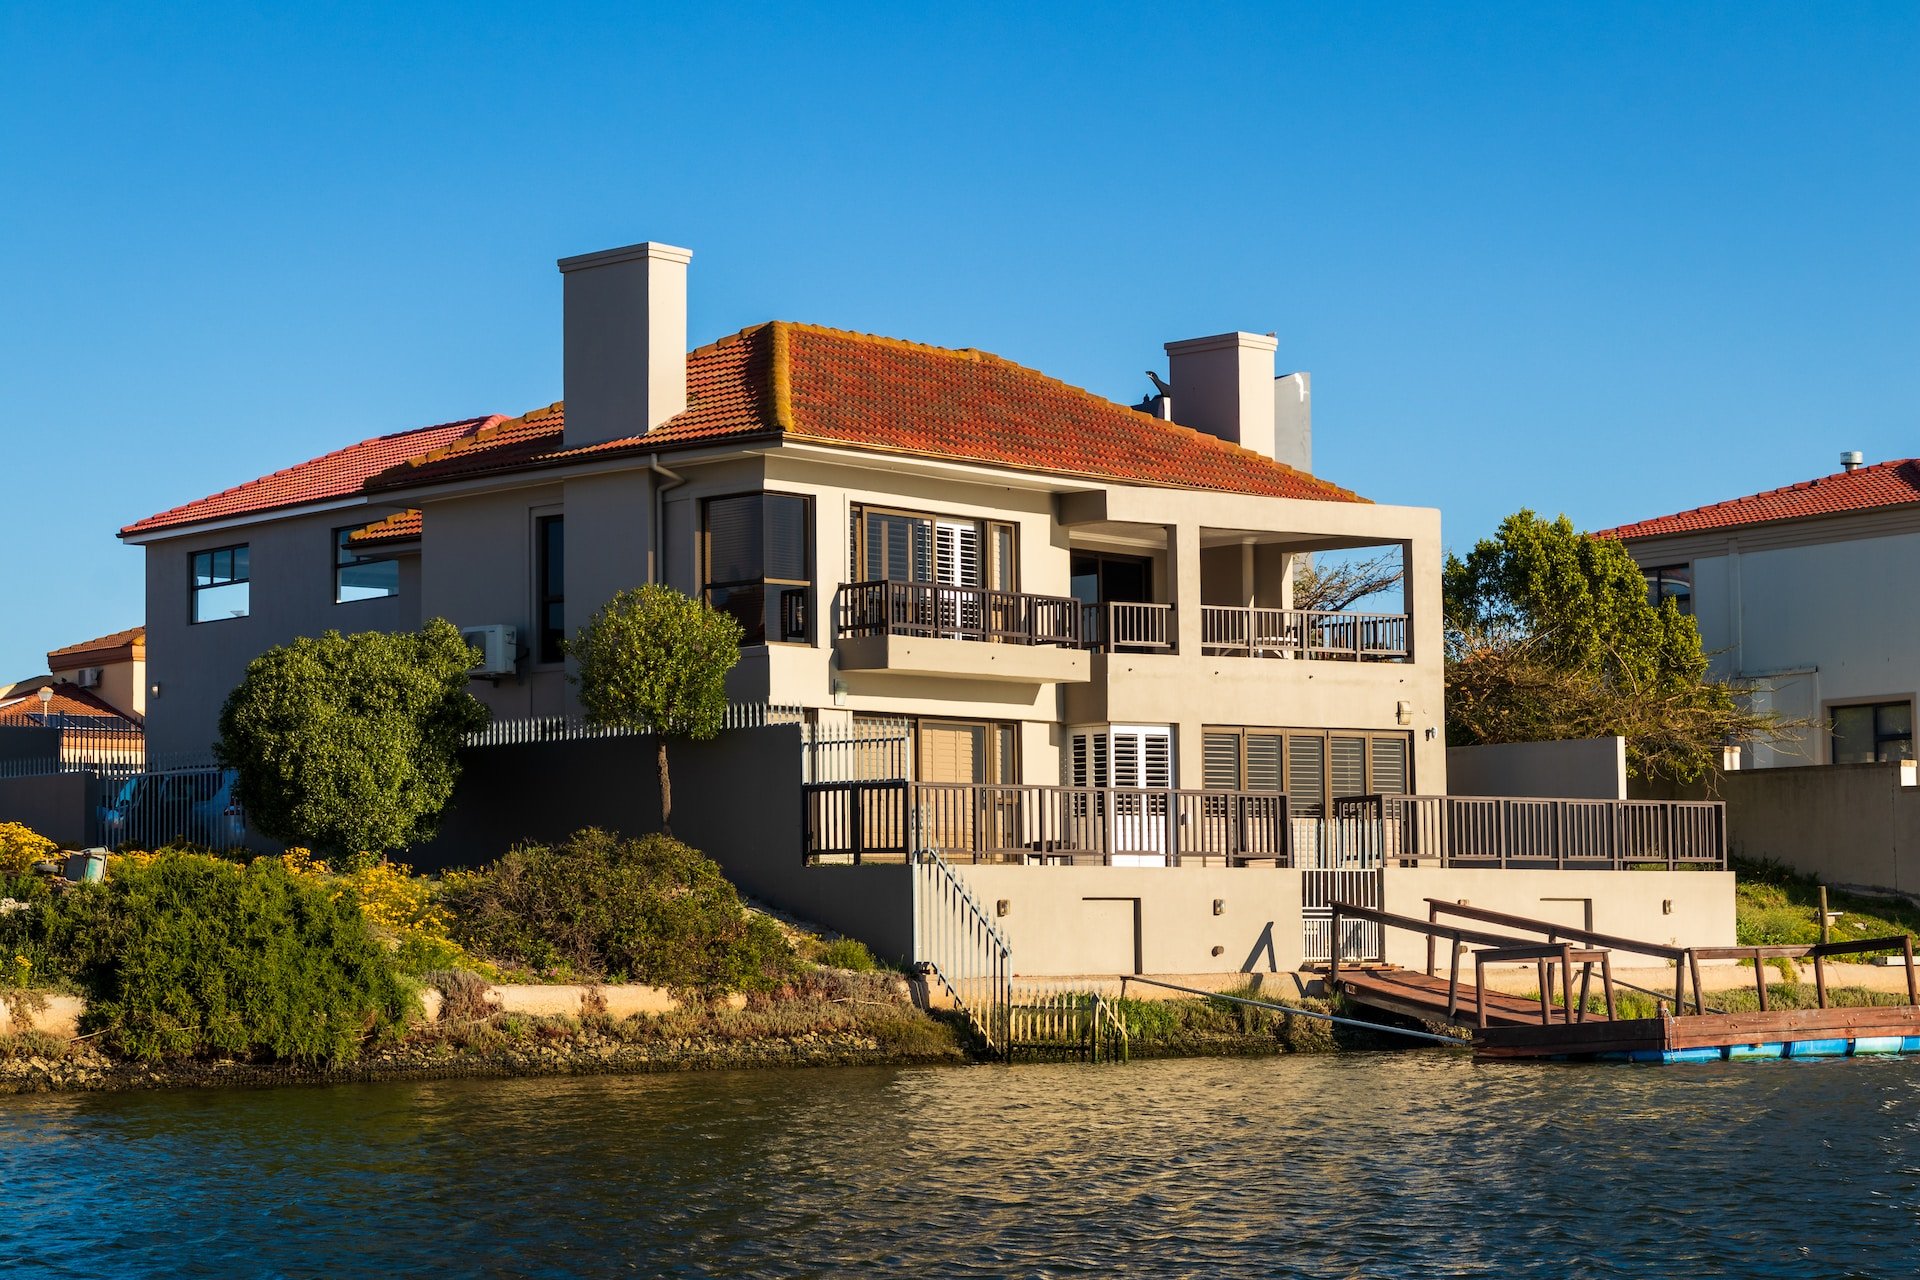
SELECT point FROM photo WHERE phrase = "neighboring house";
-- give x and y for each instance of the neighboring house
(1805, 596)
(84, 713)
(1007, 620)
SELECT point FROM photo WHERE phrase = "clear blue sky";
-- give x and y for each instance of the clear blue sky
(1610, 260)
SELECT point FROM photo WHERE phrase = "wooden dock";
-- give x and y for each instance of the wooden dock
(1557, 1023)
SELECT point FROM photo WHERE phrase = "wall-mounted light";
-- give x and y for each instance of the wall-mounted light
(1003, 906)
(1403, 713)
(153, 690)
(1432, 733)
(1219, 906)
(839, 693)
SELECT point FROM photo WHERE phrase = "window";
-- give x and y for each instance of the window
(221, 585)
(759, 564)
(912, 546)
(358, 576)
(1310, 765)
(1671, 582)
(550, 541)
(1875, 733)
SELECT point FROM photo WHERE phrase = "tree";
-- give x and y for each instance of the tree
(349, 744)
(655, 661)
(1337, 583)
(1550, 634)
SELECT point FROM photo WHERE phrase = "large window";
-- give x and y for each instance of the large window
(758, 564)
(361, 576)
(222, 587)
(1877, 732)
(915, 546)
(550, 544)
(1312, 766)
(1671, 582)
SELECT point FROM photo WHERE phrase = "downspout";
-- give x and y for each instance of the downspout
(659, 556)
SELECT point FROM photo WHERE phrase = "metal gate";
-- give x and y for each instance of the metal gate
(1342, 862)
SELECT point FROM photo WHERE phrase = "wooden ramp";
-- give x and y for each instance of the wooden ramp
(1557, 1022)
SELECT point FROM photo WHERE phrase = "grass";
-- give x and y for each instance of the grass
(1776, 906)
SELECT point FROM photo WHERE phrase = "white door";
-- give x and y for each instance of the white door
(956, 563)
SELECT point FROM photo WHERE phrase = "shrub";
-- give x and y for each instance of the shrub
(180, 953)
(399, 905)
(21, 847)
(602, 906)
(847, 953)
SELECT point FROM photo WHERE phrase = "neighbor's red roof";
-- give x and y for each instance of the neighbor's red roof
(1884, 484)
(332, 475)
(133, 638)
(69, 699)
(827, 386)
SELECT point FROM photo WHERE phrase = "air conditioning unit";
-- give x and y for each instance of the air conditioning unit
(496, 649)
(89, 678)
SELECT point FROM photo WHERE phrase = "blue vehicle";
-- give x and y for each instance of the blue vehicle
(192, 806)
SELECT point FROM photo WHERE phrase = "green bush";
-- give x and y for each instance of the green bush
(847, 953)
(181, 954)
(602, 906)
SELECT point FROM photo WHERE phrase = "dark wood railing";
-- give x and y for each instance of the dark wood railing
(939, 611)
(1501, 831)
(1303, 633)
(976, 822)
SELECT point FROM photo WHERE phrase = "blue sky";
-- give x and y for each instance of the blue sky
(1612, 261)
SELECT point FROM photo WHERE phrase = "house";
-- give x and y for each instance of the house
(1845, 673)
(86, 712)
(985, 613)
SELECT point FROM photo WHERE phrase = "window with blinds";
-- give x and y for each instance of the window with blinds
(1132, 756)
(916, 546)
(758, 554)
(1313, 766)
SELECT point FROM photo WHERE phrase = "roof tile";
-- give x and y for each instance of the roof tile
(1885, 484)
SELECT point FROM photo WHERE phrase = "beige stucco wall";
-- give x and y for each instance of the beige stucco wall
(1678, 908)
(1853, 824)
(1082, 920)
(291, 565)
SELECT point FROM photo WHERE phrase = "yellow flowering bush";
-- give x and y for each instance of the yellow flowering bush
(398, 904)
(20, 847)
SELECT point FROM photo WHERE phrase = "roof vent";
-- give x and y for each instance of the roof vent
(1852, 460)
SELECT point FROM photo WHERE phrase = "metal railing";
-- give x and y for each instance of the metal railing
(959, 947)
(1081, 1024)
(27, 750)
(984, 822)
(940, 611)
(1500, 831)
(1303, 633)
(1117, 627)
(881, 751)
(528, 729)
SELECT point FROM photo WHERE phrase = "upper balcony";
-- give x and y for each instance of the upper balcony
(1249, 632)
(938, 629)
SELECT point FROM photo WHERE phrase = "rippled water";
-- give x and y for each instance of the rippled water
(1362, 1165)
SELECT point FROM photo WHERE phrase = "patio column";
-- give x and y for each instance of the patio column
(1183, 586)
(1246, 573)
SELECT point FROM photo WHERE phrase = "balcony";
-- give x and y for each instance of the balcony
(1303, 633)
(1044, 825)
(936, 629)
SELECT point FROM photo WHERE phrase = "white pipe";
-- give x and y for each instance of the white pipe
(659, 556)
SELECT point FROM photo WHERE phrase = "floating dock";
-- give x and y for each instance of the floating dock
(1569, 960)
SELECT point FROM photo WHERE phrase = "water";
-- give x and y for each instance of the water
(1363, 1165)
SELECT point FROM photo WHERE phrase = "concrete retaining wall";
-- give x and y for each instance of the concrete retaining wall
(57, 805)
(1682, 908)
(1854, 824)
(1104, 920)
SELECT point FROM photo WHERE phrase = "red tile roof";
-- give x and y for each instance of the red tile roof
(332, 475)
(69, 699)
(401, 526)
(76, 655)
(1885, 484)
(827, 386)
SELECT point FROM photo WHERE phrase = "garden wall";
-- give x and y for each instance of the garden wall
(736, 798)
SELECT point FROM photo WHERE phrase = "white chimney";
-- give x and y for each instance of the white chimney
(625, 340)
(1223, 386)
(1293, 420)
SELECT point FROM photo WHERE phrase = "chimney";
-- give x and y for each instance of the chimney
(1224, 386)
(625, 341)
(1293, 420)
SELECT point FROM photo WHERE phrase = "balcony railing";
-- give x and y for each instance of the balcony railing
(1113, 826)
(1498, 831)
(938, 611)
(1303, 633)
(1117, 627)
